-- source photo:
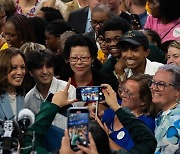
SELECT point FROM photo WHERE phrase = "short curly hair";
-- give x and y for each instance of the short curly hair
(116, 23)
(80, 40)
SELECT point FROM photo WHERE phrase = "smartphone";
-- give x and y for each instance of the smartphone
(136, 24)
(90, 94)
(78, 126)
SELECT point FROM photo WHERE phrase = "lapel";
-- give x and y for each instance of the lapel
(83, 15)
(6, 106)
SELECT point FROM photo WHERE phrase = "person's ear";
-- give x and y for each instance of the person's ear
(177, 93)
(142, 103)
(147, 53)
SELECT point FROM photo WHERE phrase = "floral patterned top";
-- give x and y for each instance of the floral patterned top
(31, 12)
(167, 131)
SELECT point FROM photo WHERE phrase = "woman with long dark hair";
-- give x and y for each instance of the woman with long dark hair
(12, 72)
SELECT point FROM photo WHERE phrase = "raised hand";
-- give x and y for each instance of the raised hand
(60, 98)
(110, 97)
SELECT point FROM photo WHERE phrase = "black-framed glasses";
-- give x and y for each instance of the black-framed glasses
(100, 39)
(160, 85)
(95, 23)
(126, 93)
(82, 59)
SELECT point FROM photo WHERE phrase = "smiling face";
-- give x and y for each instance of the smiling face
(134, 56)
(43, 75)
(132, 99)
(11, 35)
(81, 68)
(167, 97)
(16, 75)
(173, 56)
(111, 39)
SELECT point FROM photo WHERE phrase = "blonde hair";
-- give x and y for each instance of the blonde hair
(175, 44)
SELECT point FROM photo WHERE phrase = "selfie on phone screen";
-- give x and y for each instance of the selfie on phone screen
(78, 124)
(89, 94)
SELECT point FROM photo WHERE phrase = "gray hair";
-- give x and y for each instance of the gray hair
(175, 44)
(175, 71)
(103, 8)
(30, 46)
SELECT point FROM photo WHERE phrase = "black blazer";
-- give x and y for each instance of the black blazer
(78, 19)
(91, 34)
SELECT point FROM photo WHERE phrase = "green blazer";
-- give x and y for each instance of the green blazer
(41, 125)
(145, 142)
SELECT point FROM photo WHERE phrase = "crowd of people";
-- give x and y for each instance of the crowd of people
(130, 47)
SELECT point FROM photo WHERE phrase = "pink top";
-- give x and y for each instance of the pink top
(31, 12)
(162, 29)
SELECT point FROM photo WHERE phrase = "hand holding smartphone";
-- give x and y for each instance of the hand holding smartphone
(78, 126)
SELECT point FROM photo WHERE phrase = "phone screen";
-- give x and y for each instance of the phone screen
(90, 93)
(78, 126)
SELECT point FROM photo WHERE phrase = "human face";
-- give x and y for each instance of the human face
(111, 39)
(102, 44)
(130, 96)
(43, 75)
(173, 56)
(11, 35)
(155, 9)
(52, 42)
(134, 56)
(16, 75)
(167, 97)
(97, 20)
(81, 68)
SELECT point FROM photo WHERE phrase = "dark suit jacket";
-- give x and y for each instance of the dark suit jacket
(78, 19)
(91, 34)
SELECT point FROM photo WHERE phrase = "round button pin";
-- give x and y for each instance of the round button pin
(120, 135)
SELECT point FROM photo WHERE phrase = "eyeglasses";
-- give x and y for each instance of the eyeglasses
(126, 93)
(160, 85)
(82, 59)
(95, 23)
(100, 39)
(115, 39)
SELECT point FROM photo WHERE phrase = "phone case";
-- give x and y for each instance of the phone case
(78, 126)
